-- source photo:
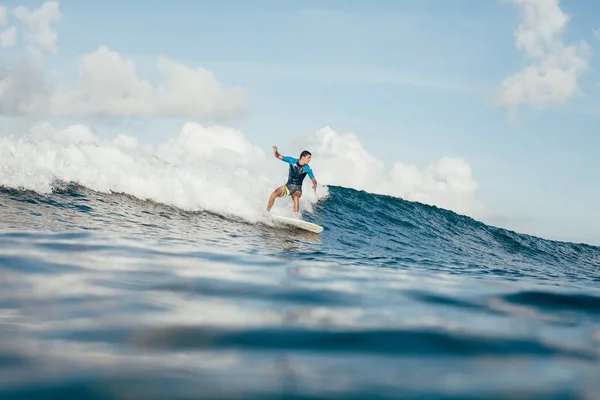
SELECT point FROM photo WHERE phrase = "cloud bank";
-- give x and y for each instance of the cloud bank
(341, 159)
(216, 168)
(3, 15)
(550, 78)
(108, 83)
(8, 37)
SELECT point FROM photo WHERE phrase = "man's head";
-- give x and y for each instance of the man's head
(305, 157)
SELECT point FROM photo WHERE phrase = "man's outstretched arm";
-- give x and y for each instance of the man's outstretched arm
(287, 159)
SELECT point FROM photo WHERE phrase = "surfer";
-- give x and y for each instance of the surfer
(299, 168)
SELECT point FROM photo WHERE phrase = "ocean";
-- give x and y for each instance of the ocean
(131, 281)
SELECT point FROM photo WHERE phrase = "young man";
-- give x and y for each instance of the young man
(299, 168)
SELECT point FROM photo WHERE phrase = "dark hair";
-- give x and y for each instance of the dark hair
(305, 153)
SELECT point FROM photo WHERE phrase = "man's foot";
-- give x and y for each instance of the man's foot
(297, 215)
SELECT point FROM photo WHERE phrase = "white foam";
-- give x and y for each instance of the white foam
(204, 168)
(216, 169)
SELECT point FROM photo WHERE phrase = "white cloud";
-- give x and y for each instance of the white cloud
(8, 37)
(447, 183)
(542, 25)
(340, 159)
(126, 142)
(3, 15)
(196, 142)
(597, 33)
(73, 134)
(20, 81)
(39, 30)
(553, 70)
(109, 85)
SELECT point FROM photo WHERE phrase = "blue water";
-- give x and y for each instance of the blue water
(103, 296)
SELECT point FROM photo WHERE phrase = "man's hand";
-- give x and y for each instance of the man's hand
(276, 153)
(314, 185)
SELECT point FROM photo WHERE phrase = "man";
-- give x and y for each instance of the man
(299, 168)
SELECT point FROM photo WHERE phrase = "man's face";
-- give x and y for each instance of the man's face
(306, 159)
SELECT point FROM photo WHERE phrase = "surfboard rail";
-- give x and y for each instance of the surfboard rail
(298, 223)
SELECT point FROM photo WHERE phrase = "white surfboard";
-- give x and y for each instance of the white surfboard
(298, 223)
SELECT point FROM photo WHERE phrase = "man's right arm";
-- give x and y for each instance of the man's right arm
(276, 153)
(287, 159)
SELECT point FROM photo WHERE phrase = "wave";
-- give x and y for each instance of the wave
(199, 170)
(223, 174)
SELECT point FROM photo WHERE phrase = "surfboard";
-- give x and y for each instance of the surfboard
(298, 223)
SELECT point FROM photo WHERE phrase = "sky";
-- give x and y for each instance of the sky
(488, 108)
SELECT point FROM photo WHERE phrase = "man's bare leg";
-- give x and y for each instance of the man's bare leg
(276, 193)
(297, 202)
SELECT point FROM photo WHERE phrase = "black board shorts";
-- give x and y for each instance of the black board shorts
(289, 190)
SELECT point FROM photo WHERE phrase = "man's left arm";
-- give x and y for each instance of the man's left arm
(311, 175)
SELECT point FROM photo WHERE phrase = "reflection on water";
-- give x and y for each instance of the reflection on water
(282, 242)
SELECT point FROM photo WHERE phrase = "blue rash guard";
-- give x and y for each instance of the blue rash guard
(296, 175)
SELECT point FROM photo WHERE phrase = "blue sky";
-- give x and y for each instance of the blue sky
(413, 79)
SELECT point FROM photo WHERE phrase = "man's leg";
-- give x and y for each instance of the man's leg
(297, 201)
(276, 193)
